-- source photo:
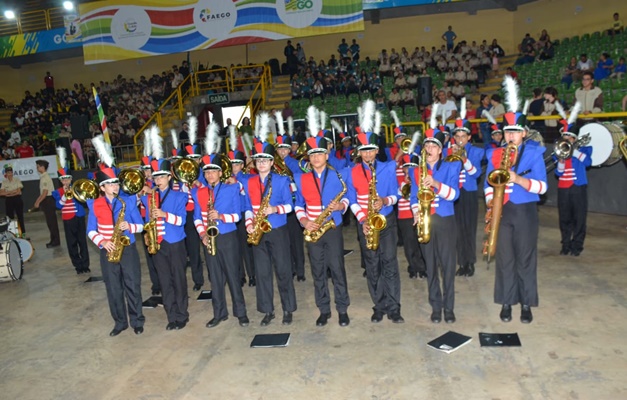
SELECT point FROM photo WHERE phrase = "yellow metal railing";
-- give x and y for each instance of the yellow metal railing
(389, 138)
(33, 21)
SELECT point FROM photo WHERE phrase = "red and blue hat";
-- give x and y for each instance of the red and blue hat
(462, 124)
(367, 141)
(263, 150)
(284, 141)
(316, 144)
(145, 162)
(237, 157)
(514, 121)
(64, 173)
(192, 151)
(211, 162)
(106, 175)
(344, 137)
(160, 167)
(410, 160)
(435, 136)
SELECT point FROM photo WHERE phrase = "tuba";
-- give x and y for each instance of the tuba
(498, 179)
(375, 221)
(280, 168)
(185, 170)
(83, 190)
(261, 224)
(321, 220)
(118, 238)
(132, 181)
(227, 169)
(150, 228)
(212, 229)
(425, 198)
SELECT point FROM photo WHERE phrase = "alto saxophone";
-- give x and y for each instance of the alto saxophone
(150, 228)
(375, 221)
(118, 238)
(212, 229)
(261, 224)
(425, 198)
(498, 179)
(321, 220)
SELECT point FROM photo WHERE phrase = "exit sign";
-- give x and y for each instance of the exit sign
(218, 98)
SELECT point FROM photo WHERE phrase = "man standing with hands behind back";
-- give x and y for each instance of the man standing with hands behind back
(47, 203)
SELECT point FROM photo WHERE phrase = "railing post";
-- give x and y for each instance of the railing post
(179, 102)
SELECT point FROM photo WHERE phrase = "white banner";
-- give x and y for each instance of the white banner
(26, 169)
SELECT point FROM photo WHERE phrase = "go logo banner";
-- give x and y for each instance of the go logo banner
(299, 13)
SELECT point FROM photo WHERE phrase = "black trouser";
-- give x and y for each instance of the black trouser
(76, 241)
(224, 269)
(123, 279)
(152, 271)
(328, 253)
(49, 209)
(515, 279)
(170, 264)
(412, 250)
(384, 282)
(572, 205)
(271, 250)
(297, 244)
(192, 244)
(466, 214)
(247, 267)
(15, 207)
(439, 251)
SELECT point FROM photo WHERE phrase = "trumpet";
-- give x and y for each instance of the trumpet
(458, 155)
(405, 145)
(564, 149)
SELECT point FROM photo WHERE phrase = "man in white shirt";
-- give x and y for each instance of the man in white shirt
(583, 65)
(447, 108)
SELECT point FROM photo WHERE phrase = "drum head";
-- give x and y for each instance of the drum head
(26, 248)
(11, 266)
(601, 142)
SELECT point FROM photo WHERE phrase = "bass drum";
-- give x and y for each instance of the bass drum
(26, 248)
(11, 266)
(604, 140)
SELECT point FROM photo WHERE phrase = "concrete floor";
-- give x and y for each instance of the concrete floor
(54, 341)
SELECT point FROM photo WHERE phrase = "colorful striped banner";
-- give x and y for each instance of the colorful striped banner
(101, 116)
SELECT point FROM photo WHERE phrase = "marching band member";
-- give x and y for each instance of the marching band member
(517, 249)
(238, 159)
(496, 133)
(147, 171)
(217, 209)
(395, 152)
(122, 278)
(442, 178)
(380, 262)
(168, 211)
(318, 190)
(73, 216)
(572, 186)
(416, 264)
(467, 205)
(273, 189)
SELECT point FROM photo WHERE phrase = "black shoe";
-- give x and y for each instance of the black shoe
(171, 326)
(576, 253)
(243, 281)
(181, 324)
(86, 270)
(215, 322)
(243, 321)
(322, 319)
(301, 278)
(461, 271)
(413, 275)
(506, 313)
(470, 270)
(197, 287)
(116, 331)
(51, 245)
(139, 330)
(565, 251)
(525, 315)
(396, 317)
(79, 271)
(156, 292)
(377, 317)
(364, 274)
(436, 316)
(422, 274)
(266, 319)
(252, 282)
(449, 316)
(344, 320)
(287, 318)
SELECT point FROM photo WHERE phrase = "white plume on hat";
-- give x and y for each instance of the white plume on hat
(394, 116)
(488, 116)
(360, 116)
(560, 109)
(280, 122)
(377, 123)
(526, 107)
(232, 137)
(368, 110)
(323, 120)
(433, 120)
(573, 112)
(290, 125)
(264, 126)
(211, 142)
(313, 118)
(511, 94)
(62, 154)
(414, 142)
(193, 129)
(101, 149)
(175, 138)
(462, 108)
(156, 143)
(336, 125)
(147, 144)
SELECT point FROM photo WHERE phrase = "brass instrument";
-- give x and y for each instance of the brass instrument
(212, 229)
(406, 190)
(425, 196)
(322, 220)
(83, 190)
(458, 155)
(185, 170)
(375, 221)
(227, 168)
(405, 145)
(622, 145)
(280, 168)
(498, 179)
(150, 228)
(132, 181)
(261, 224)
(564, 149)
(119, 240)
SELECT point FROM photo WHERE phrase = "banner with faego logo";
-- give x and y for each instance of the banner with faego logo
(115, 30)
(26, 168)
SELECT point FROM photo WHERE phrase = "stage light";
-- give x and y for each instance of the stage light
(9, 14)
(68, 5)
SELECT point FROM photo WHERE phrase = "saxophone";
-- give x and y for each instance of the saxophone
(212, 229)
(118, 238)
(375, 221)
(321, 220)
(150, 237)
(425, 198)
(498, 180)
(261, 224)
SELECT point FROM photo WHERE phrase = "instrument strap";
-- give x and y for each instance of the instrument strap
(214, 192)
(167, 192)
(321, 187)
(520, 156)
(265, 188)
(374, 166)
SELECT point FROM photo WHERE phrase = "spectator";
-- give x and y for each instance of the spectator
(617, 26)
(495, 65)
(447, 108)
(497, 109)
(484, 127)
(77, 150)
(343, 48)
(527, 41)
(300, 54)
(550, 98)
(379, 99)
(513, 74)
(49, 82)
(528, 56)
(547, 52)
(449, 37)
(471, 113)
(496, 49)
(583, 65)
(394, 99)
(458, 91)
(569, 72)
(354, 49)
(590, 96)
(543, 40)
(287, 111)
(25, 150)
(15, 139)
(536, 107)
(183, 134)
(619, 70)
(407, 99)
(604, 67)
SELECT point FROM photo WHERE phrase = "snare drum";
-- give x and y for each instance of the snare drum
(11, 266)
(604, 140)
